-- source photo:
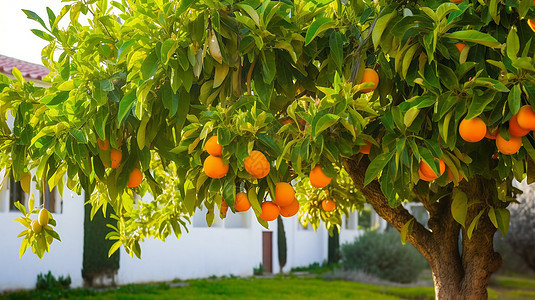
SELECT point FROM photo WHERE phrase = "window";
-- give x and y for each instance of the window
(16, 194)
(54, 203)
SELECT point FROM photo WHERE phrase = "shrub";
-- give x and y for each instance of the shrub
(50, 283)
(383, 255)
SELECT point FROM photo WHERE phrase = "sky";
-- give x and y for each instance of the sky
(16, 39)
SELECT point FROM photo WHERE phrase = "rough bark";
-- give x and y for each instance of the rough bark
(461, 267)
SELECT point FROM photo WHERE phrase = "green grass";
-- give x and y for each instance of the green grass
(516, 282)
(252, 288)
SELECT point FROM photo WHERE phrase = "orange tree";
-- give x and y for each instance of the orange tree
(157, 79)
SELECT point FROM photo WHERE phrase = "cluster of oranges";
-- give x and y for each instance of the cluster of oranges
(258, 166)
(116, 156)
(318, 179)
(520, 124)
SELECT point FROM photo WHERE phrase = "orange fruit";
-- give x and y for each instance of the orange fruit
(224, 207)
(284, 194)
(103, 145)
(514, 127)
(491, 135)
(43, 217)
(318, 178)
(460, 46)
(36, 227)
(423, 177)
(451, 177)
(508, 147)
(270, 211)
(531, 24)
(242, 202)
(290, 210)
(116, 156)
(526, 117)
(213, 147)
(287, 121)
(257, 164)
(366, 148)
(428, 172)
(456, 1)
(214, 167)
(370, 76)
(136, 177)
(472, 130)
(328, 205)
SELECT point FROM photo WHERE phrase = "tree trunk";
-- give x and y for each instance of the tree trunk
(461, 266)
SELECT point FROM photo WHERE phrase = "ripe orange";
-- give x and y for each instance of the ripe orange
(508, 147)
(290, 210)
(224, 207)
(213, 147)
(366, 148)
(423, 177)
(460, 46)
(472, 130)
(103, 145)
(242, 202)
(214, 167)
(136, 177)
(328, 205)
(451, 177)
(491, 135)
(318, 178)
(284, 194)
(428, 172)
(257, 164)
(526, 117)
(370, 76)
(531, 24)
(36, 227)
(116, 156)
(514, 127)
(270, 211)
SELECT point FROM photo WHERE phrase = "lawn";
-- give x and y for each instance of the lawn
(287, 287)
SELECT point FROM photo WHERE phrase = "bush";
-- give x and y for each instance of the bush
(49, 283)
(383, 255)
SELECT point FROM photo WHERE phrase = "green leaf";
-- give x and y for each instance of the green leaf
(18, 75)
(380, 27)
(513, 44)
(168, 48)
(405, 231)
(336, 49)
(33, 16)
(376, 166)
(268, 66)
(459, 206)
(190, 196)
(474, 36)
(318, 26)
(324, 122)
(183, 7)
(500, 217)
(149, 66)
(473, 225)
(125, 105)
(479, 103)
(513, 99)
(114, 248)
(410, 115)
(45, 36)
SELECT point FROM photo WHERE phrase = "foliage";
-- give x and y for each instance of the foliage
(382, 255)
(158, 78)
(521, 234)
(50, 283)
(258, 270)
(316, 267)
(96, 261)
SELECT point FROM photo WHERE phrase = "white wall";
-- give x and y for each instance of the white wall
(64, 258)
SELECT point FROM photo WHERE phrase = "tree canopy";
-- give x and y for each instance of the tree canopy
(158, 79)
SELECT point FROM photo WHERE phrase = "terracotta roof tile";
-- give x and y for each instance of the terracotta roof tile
(28, 70)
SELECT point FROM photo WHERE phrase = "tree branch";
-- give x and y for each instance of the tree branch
(250, 74)
(420, 237)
